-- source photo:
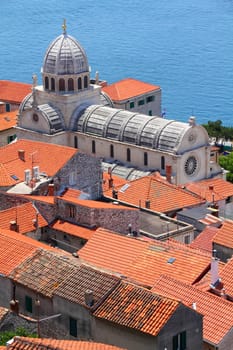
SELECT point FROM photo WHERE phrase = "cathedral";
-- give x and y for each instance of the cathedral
(70, 109)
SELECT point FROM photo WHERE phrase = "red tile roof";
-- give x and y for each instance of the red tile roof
(210, 189)
(137, 308)
(163, 196)
(14, 92)
(71, 229)
(217, 312)
(204, 239)
(8, 120)
(224, 234)
(24, 215)
(24, 343)
(3, 313)
(42, 153)
(116, 181)
(128, 88)
(143, 261)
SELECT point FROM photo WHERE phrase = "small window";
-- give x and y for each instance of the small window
(93, 147)
(111, 151)
(85, 82)
(141, 102)
(150, 112)
(46, 83)
(162, 163)
(187, 239)
(131, 105)
(128, 155)
(70, 84)
(145, 158)
(73, 327)
(150, 99)
(75, 142)
(8, 107)
(79, 84)
(28, 304)
(72, 211)
(179, 341)
(11, 138)
(52, 84)
(62, 84)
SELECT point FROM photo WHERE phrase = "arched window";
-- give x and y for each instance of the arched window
(52, 84)
(79, 84)
(70, 84)
(85, 82)
(111, 151)
(75, 142)
(128, 155)
(46, 83)
(62, 84)
(93, 147)
(162, 163)
(145, 158)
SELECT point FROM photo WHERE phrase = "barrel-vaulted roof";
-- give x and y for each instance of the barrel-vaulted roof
(121, 125)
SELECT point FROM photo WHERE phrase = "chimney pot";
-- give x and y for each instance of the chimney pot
(21, 154)
(89, 297)
(51, 190)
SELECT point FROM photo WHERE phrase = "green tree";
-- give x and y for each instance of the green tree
(5, 336)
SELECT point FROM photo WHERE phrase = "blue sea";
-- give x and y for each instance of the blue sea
(184, 46)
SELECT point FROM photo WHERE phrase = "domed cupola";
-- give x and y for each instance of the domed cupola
(65, 68)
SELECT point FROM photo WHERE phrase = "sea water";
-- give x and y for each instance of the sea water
(184, 46)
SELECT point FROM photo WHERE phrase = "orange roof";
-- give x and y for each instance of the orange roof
(12, 167)
(128, 88)
(8, 120)
(24, 215)
(135, 307)
(217, 312)
(224, 234)
(226, 275)
(14, 92)
(204, 239)
(211, 189)
(116, 181)
(24, 343)
(143, 261)
(15, 248)
(45, 199)
(163, 196)
(72, 229)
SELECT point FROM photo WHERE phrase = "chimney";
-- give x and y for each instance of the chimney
(194, 306)
(169, 173)
(13, 226)
(110, 182)
(115, 194)
(214, 276)
(211, 187)
(89, 297)
(192, 121)
(51, 190)
(21, 154)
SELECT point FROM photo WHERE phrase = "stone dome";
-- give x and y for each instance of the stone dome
(65, 56)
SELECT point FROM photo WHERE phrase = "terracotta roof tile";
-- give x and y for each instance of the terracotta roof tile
(85, 278)
(15, 248)
(144, 261)
(226, 275)
(43, 271)
(163, 196)
(217, 312)
(11, 91)
(23, 215)
(137, 308)
(210, 189)
(24, 343)
(71, 229)
(115, 180)
(224, 234)
(128, 88)
(8, 120)
(12, 165)
(205, 238)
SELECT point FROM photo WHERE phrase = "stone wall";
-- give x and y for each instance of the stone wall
(10, 200)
